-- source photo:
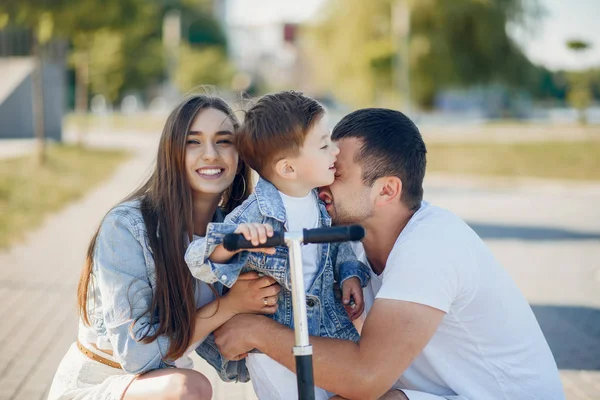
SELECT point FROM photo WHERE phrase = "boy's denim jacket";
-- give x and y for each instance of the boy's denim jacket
(326, 314)
(124, 264)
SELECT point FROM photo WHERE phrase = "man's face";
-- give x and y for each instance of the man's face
(347, 199)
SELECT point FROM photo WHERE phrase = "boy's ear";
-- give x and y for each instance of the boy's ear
(285, 169)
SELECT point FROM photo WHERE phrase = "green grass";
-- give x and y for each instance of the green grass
(557, 160)
(29, 192)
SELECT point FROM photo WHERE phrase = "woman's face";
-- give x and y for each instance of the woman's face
(211, 160)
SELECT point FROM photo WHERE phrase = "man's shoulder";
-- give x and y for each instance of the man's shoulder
(431, 222)
(435, 233)
(429, 211)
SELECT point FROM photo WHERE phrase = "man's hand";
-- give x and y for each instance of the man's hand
(352, 288)
(235, 337)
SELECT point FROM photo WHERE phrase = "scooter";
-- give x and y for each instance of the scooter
(293, 240)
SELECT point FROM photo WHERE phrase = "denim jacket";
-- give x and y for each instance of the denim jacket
(326, 314)
(124, 279)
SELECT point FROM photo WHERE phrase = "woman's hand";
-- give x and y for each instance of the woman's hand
(252, 294)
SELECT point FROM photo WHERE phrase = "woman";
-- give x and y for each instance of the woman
(141, 310)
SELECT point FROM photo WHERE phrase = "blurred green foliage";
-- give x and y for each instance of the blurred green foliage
(202, 66)
(116, 47)
(458, 43)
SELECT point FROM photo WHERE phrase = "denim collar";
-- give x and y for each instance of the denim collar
(269, 200)
(271, 205)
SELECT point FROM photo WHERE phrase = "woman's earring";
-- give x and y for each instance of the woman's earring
(244, 191)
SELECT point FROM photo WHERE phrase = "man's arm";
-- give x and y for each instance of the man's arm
(391, 394)
(394, 333)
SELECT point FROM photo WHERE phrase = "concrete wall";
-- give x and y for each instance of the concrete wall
(16, 114)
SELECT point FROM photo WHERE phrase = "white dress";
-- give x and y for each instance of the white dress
(81, 378)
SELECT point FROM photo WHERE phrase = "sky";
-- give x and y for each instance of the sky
(544, 44)
(565, 20)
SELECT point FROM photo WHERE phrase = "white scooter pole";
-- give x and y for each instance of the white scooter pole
(303, 349)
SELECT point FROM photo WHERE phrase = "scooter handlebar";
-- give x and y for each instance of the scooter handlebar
(236, 241)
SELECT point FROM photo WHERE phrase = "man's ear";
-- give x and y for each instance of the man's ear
(389, 190)
(285, 169)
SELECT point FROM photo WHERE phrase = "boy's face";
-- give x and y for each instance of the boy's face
(315, 164)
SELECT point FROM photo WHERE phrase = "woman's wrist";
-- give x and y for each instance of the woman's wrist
(229, 308)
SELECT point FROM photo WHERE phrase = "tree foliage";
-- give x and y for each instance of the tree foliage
(117, 44)
(452, 43)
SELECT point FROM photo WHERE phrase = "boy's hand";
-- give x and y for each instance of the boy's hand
(256, 233)
(351, 288)
(253, 232)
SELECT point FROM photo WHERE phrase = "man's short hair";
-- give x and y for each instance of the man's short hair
(275, 127)
(391, 146)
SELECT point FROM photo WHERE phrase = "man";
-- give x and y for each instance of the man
(444, 320)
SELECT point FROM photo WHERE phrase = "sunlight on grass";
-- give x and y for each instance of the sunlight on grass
(28, 192)
(557, 160)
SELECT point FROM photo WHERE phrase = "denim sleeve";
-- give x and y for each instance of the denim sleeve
(126, 295)
(198, 253)
(346, 265)
(229, 371)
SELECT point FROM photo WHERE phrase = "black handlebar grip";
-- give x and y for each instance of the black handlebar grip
(237, 241)
(336, 234)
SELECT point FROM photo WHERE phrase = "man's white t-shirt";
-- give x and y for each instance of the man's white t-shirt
(489, 344)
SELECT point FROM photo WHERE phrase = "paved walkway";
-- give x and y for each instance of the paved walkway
(547, 235)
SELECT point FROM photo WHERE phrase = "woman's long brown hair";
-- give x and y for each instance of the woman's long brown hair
(166, 205)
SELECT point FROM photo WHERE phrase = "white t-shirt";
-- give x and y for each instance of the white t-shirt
(489, 344)
(203, 295)
(303, 213)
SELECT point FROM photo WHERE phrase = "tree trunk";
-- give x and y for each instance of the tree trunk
(82, 81)
(582, 116)
(38, 102)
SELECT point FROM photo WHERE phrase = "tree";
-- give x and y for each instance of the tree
(205, 66)
(117, 45)
(38, 18)
(67, 19)
(580, 83)
(453, 43)
(138, 57)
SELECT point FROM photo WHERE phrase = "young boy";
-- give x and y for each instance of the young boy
(286, 140)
